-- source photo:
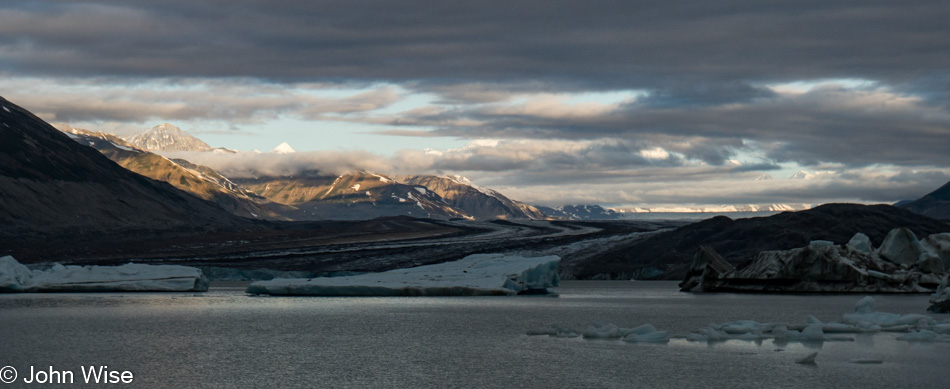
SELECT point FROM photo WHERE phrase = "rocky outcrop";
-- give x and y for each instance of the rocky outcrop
(901, 265)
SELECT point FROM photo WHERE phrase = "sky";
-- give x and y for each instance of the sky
(619, 103)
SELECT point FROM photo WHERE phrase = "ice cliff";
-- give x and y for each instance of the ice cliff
(903, 264)
(14, 277)
(474, 275)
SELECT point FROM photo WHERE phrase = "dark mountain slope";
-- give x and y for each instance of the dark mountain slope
(200, 181)
(935, 204)
(51, 185)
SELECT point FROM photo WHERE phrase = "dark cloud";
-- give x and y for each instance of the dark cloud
(856, 126)
(702, 93)
(594, 45)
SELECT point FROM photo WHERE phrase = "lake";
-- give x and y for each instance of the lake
(224, 338)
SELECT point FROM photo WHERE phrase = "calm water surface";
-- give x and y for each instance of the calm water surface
(225, 338)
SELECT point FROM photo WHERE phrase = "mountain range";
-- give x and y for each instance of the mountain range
(200, 181)
(352, 196)
(316, 195)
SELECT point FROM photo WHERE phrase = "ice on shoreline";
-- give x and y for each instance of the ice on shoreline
(16, 278)
(474, 275)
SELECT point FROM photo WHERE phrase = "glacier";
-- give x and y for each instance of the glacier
(131, 277)
(474, 275)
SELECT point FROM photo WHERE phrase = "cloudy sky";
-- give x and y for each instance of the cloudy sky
(622, 103)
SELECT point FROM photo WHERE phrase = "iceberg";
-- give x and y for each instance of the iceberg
(132, 277)
(940, 302)
(474, 275)
(808, 359)
(901, 265)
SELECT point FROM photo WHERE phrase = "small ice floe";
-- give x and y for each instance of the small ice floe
(808, 359)
(645, 333)
(474, 275)
(14, 277)
(940, 301)
(755, 331)
(919, 328)
(866, 318)
(924, 336)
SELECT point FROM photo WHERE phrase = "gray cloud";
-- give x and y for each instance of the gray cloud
(598, 45)
(855, 126)
(238, 101)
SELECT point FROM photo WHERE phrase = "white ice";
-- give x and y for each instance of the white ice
(14, 277)
(480, 274)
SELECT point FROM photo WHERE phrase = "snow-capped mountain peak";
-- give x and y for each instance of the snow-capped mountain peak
(166, 137)
(284, 148)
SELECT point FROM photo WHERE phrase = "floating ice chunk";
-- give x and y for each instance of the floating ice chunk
(13, 275)
(480, 274)
(808, 359)
(861, 242)
(865, 317)
(940, 301)
(781, 333)
(941, 328)
(131, 277)
(865, 305)
(653, 336)
(924, 336)
(810, 333)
